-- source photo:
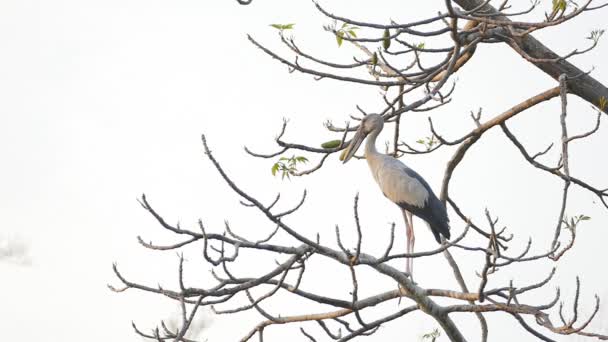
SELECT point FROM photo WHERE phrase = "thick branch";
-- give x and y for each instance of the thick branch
(579, 83)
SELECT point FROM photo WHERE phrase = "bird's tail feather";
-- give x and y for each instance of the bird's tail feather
(438, 229)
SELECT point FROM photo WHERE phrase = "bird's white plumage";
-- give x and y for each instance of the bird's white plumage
(394, 181)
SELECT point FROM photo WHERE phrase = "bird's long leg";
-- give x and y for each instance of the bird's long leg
(412, 241)
(409, 232)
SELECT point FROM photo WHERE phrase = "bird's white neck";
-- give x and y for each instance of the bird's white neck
(372, 156)
(370, 145)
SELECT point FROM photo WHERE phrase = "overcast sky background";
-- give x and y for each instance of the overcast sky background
(101, 101)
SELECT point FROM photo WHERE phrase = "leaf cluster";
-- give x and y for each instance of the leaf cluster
(346, 30)
(595, 35)
(432, 336)
(428, 142)
(572, 222)
(288, 166)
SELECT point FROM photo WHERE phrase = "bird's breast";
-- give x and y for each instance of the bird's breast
(396, 184)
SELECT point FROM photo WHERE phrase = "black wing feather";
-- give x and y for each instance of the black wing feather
(433, 212)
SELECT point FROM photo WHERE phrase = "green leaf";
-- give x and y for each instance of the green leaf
(283, 26)
(331, 144)
(352, 33)
(339, 37)
(585, 218)
(275, 168)
(301, 159)
(420, 141)
(386, 39)
(559, 5)
(375, 59)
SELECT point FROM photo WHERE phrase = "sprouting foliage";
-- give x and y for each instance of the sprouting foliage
(420, 46)
(288, 166)
(432, 336)
(595, 35)
(572, 222)
(346, 30)
(374, 59)
(428, 142)
(283, 27)
(386, 39)
(559, 5)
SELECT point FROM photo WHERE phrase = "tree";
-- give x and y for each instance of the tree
(407, 88)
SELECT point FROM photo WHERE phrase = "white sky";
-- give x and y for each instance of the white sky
(101, 101)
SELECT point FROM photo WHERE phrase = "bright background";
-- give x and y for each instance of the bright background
(101, 101)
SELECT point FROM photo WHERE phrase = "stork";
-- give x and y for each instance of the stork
(402, 185)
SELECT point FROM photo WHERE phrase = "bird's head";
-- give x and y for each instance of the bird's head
(371, 122)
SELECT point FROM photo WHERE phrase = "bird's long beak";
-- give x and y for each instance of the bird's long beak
(354, 144)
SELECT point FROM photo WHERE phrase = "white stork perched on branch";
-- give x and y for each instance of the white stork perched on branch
(400, 184)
